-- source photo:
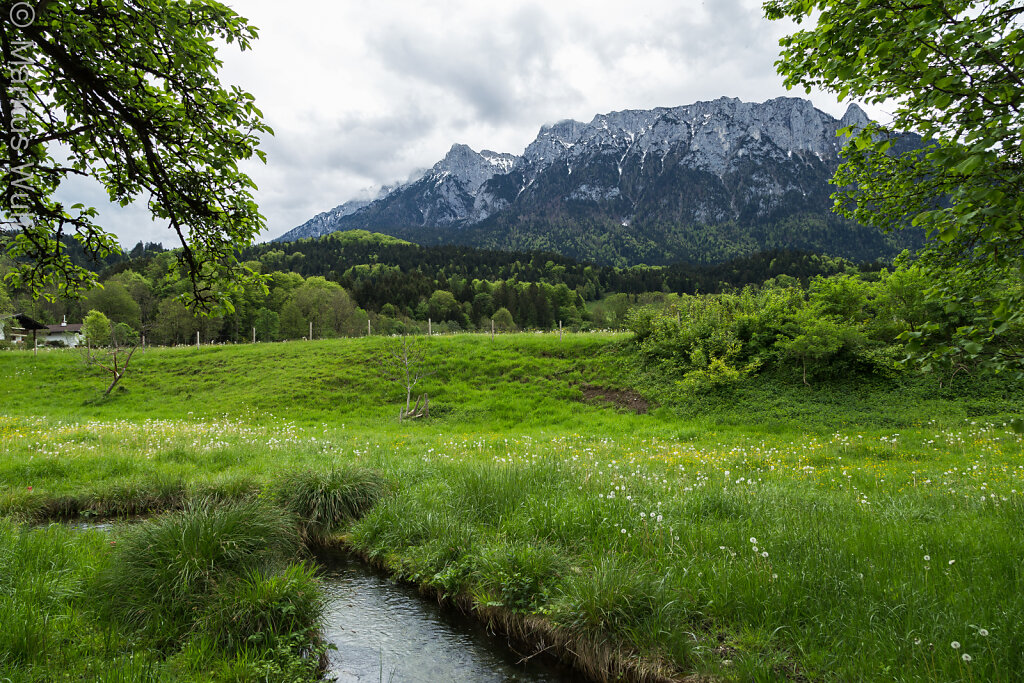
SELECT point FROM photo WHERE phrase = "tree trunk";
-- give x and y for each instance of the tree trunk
(117, 378)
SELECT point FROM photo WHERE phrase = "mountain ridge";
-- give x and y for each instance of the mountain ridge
(668, 179)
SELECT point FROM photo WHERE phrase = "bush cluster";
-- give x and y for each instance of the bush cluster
(842, 325)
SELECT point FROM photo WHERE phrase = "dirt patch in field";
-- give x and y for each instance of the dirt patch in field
(621, 398)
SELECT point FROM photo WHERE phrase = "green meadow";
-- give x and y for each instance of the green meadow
(854, 529)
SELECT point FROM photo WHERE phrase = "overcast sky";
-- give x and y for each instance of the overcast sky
(363, 94)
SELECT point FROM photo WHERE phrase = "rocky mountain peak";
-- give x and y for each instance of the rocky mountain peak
(552, 141)
(458, 153)
(854, 116)
(470, 168)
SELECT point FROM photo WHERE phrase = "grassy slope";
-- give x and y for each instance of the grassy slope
(520, 381)
(518, 494)
(511, 381)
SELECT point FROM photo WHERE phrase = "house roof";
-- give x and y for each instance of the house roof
(77, 327)
(28, 323)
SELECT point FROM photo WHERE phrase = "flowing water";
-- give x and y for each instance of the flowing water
(388, 632)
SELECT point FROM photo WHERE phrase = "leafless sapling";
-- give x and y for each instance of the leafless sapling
(116, 358)
(405, 364)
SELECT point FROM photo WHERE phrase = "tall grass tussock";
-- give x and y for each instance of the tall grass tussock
(165, 571)
(322, 500)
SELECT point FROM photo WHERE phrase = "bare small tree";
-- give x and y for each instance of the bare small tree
(405, 364)
(115, 358)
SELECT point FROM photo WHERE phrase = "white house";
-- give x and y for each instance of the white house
(69, 335)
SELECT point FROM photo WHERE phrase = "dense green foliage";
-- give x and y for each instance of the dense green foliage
(93, 262)
(953, 72)
(378, 269)
(126, 93)
(665, 240)
(839, 326)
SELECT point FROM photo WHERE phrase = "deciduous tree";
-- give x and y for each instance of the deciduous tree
(126, 93)
(96, 328)
(951, 71)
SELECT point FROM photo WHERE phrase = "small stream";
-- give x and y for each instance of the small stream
(388, 632)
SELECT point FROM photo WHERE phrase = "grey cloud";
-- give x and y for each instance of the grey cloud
(313, 168)
(718, 34)
(370, 145)
(502, 72)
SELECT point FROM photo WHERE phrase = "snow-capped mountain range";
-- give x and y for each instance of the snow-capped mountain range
(708, 163)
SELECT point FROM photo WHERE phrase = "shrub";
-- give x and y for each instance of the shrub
(717, 374)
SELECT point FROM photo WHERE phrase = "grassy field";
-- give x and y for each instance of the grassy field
(852, 531)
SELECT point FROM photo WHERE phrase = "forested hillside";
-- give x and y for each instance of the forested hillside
(358, 282)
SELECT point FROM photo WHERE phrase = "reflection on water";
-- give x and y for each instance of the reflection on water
(388, 632)
(84, 524)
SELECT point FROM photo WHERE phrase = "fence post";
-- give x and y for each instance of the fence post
(369, 330)
(254, 335)
(430, 327)
(492, 329)
(559, 330)
(197, 339)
